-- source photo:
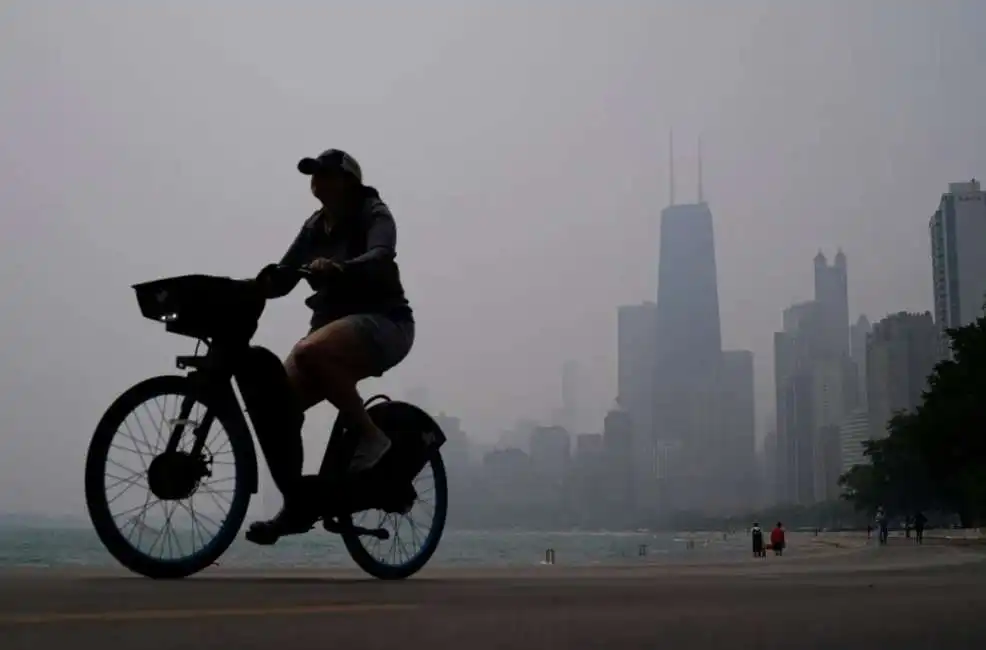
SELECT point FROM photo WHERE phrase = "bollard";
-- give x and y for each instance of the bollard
(549, 556)
(642, 550)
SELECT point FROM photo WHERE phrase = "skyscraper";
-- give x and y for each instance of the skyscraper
(958, 254)
(570, 396)
(817, 386)
(636, 334)
(736, 450)
(855, 430)
(636, 339)
(901, 352)
(689, 337)
(688, 354)
(857, 350)
(832, 294)
(795, 349)
(618, 448)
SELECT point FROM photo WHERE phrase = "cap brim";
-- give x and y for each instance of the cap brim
(309, 166)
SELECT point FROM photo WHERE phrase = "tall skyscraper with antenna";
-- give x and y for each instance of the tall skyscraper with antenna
(688, 346)
(688, 292)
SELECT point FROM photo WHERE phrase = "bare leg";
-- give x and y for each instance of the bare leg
(327, 364)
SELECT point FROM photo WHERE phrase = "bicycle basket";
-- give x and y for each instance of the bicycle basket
(201, 306)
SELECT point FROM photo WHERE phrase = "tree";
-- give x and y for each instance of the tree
(934, 456)
(952, 440)
(863, 487)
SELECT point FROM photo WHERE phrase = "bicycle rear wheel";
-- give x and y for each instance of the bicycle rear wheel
(185, 488)
(394, 559)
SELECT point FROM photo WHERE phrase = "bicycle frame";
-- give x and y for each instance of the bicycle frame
(212, 374)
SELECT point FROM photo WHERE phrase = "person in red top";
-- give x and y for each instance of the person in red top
(777, 539)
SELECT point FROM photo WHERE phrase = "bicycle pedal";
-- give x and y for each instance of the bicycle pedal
(339, 529)
(379, 533)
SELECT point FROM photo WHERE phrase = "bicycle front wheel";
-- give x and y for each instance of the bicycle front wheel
(167, 511)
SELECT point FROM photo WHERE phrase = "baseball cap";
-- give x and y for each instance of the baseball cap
(331, 159)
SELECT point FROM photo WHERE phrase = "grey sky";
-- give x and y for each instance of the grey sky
(143, 139)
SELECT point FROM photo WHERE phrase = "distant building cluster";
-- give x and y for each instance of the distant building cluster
(830, 397)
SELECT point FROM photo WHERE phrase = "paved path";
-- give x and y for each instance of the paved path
(902, 597)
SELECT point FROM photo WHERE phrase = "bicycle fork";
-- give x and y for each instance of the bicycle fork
(200, 433)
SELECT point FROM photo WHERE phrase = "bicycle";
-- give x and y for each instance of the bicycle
(223, 313)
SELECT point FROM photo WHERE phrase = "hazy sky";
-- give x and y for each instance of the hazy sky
(141, 139)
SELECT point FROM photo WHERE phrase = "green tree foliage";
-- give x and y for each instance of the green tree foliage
(935, 456)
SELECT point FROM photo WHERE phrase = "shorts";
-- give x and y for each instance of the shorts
(388, 341)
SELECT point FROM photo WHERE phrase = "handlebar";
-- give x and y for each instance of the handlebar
(303, 272)
(279, 270)
(277, 275)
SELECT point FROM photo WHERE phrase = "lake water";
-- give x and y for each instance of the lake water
(79, 546)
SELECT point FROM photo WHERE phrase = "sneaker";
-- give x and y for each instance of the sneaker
(372, 447)
(289, 521)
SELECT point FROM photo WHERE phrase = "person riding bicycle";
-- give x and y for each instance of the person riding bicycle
(361, 326)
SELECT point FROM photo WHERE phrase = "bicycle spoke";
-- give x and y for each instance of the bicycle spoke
(169, 530)
(406, 537)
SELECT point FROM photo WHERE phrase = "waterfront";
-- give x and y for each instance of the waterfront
(65, 546)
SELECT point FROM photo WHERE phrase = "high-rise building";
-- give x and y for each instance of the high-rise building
(902, 350)
(591, 476)
(689, 342)
(588, 447)
(736, 450)
(958, 255)
(455, 451)
(832, 294)
(769, 479)
(689, 355)
(636, 337)
(828, 410)
(854, 431)
(551, 457)
(795, 349)
(857, 351)
(636, 356)
(618, 452)
(817, 385)
(570, 396)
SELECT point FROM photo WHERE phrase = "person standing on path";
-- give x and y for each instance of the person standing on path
(882, 525)
(757, 534)
(777, 541)
(920, 521)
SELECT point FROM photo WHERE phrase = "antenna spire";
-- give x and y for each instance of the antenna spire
(701, 194)
(671, 167)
